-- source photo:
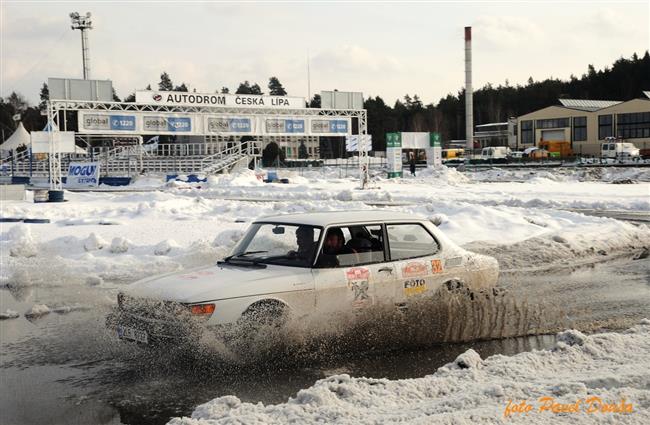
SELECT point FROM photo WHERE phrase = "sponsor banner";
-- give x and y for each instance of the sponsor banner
(166, 124)
(327, 127)
(173, 98)
(106, 122)
(206, 124)
(83, 174)
(286, 126)
(237, 125)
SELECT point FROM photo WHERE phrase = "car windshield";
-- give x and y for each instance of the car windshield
(278, 243)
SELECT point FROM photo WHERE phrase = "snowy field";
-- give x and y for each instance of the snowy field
(114, 237)
(100, 241)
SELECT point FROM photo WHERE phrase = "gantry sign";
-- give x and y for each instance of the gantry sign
(182, 113)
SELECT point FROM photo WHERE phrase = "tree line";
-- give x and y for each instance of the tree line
(624, 80)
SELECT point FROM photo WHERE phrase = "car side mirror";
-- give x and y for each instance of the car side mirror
(278, 230)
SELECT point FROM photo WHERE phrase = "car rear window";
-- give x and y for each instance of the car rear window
(410, 241)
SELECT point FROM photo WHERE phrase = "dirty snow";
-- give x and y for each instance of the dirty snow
(610, 367)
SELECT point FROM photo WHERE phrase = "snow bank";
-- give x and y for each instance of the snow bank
(610, 367)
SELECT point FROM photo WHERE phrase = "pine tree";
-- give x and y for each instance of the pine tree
(256, 89)
(45, 96)
(165, 83)
(148, 87)
(225, 90)
(18, 102)
(182, 87)
(115, 96)
(244, 88)
(275, 87)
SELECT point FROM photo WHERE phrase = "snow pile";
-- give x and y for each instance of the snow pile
(9, 314)
(603, 368)
(37, 310)
(22, 243)
(243, 177)
(165, 246)
(119, 245)
(94, 243)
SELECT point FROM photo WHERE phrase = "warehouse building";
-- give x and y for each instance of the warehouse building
(586, 124)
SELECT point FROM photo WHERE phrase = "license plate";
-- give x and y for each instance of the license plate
(125, 332)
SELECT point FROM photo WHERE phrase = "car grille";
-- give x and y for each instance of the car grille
(151, 308)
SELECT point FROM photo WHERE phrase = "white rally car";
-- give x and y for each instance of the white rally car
(303, 266)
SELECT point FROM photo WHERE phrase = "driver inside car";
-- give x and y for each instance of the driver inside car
(305, 242)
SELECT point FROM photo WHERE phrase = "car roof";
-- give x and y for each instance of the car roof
(341, 217)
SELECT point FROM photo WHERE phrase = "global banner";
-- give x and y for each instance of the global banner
(229, 125)
(210, 124)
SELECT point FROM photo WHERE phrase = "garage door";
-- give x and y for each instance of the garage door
(553, 135)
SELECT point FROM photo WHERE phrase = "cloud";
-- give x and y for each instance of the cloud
(352, 59)
(506, 32)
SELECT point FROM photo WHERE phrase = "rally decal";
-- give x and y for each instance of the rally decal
(414, 269)
(414, 286)
(436, 266)
(358, 279)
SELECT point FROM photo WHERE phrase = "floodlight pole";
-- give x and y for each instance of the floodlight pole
(83, 23)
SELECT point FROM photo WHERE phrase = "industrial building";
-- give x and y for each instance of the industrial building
(495, 134)
(586, 124)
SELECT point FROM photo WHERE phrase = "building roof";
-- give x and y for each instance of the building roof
(588, 105)
(340, 217)
(491, 124)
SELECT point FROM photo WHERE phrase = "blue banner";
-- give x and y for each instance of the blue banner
(295, 126)
(179, 124)
(239, 125)
(338, 126)
(122, 122)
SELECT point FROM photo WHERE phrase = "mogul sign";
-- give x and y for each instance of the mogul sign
(83, 174)
(176, 98)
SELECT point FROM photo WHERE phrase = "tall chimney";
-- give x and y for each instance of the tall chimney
(469, 94)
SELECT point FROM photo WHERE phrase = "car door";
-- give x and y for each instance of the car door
(416, 254)
(361, 278)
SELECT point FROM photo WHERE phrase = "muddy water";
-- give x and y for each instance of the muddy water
(65, 368)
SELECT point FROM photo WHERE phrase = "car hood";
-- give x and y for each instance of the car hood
(221, 281)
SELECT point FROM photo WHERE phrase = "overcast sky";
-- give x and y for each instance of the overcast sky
(378, 48)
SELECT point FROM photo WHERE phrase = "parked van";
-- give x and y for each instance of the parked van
(618, 150)
(495, 152)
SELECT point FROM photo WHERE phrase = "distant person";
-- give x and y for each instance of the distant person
(412, 164)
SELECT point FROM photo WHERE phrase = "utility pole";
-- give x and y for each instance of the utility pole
(83, 23)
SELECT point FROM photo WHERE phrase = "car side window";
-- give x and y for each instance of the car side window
(410, 241)
(348, 246)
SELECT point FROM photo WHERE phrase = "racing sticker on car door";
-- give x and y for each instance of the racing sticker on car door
(358, 279)
(414, 273)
